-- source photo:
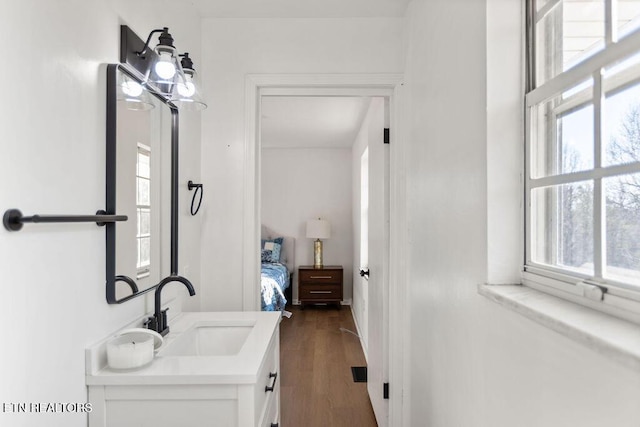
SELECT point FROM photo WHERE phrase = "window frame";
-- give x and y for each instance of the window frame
(611, 296)
(143, 271)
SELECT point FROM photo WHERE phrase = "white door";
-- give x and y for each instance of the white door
(364, 251)
(378, 256)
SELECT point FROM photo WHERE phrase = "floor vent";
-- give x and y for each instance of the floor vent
(359, 374)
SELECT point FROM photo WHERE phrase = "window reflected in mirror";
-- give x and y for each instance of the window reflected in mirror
(143, 203)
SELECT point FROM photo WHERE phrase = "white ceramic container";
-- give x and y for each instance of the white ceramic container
(132, 348)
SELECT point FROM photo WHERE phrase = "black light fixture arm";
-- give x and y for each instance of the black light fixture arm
(13, 219)
(165, 39)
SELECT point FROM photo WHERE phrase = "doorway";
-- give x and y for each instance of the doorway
(385, 86)
(307, 172)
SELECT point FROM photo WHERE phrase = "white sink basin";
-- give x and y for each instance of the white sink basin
(210, 339)
(201, 348)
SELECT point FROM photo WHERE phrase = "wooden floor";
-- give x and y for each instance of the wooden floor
(317, 387)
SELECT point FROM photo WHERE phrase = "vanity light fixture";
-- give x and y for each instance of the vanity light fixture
(161, 69)
(186, 95)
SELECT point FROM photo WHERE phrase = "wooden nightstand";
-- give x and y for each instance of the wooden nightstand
(320, 285)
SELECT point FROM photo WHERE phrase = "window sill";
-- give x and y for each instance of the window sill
(614, 338)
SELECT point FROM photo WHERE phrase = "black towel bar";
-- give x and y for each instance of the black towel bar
(13, 219)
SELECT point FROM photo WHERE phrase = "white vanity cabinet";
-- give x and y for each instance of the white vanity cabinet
(193, 391)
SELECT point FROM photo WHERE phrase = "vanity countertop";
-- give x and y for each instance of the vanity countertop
(241, 368)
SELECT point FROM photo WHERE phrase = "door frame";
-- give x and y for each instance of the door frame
(258, 85)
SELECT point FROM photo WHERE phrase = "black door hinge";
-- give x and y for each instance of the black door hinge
(387, 138)
(385, 390)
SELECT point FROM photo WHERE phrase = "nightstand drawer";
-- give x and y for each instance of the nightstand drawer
(321, 292)
(320, 276)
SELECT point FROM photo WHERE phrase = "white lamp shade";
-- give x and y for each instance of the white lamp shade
(318, 229)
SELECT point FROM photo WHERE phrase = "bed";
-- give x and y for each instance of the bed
(278, 261)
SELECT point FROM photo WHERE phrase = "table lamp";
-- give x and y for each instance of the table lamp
(318, 229)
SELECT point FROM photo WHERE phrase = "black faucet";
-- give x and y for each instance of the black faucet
(159, 320)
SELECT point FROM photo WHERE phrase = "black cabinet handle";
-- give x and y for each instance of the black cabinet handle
(273, 375)
(275, 424)
(364, 273)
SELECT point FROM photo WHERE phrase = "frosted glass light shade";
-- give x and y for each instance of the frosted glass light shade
(318, 229)
(165, 66)
(133, 94)
(186, 95)
(164, 70)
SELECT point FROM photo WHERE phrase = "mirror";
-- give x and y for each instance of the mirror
(139, 129)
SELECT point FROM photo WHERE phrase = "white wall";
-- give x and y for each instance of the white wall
(299, 184)
(475, 363)
(233, 48)
(52, 134)
(505, 159)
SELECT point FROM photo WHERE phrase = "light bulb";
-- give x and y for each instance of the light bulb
(164, 67)
(186, 89)
(131, 88)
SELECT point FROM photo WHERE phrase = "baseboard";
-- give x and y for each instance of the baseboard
(359, 332)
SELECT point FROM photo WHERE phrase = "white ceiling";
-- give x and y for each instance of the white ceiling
(299, 8)
(311, 121)
(306, 121)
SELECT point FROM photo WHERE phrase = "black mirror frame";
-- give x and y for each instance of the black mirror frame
(111, 134)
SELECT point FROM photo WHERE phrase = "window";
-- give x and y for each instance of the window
(583, 150)
(143, 202)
